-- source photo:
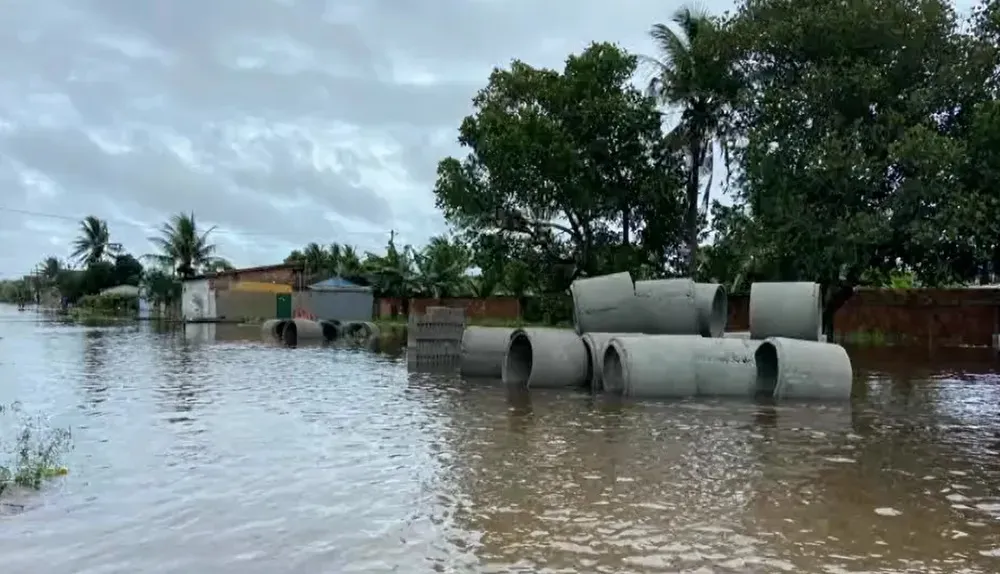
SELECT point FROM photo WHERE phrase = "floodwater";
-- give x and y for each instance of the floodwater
(207, 451)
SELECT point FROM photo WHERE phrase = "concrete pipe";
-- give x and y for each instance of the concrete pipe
(331, 329)
(797, 370)
(791, 310)
(483, 351)
(737, 335)
(597, 345)
(545, 358)
(668, 306)
(651, 366)
(299, 331)
(605, 304)
(726, 367)
(271, 329)
(713, 308)
(362, 330)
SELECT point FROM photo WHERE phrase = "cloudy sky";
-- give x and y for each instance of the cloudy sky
(279, 121)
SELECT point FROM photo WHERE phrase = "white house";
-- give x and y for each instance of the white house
(197, 300)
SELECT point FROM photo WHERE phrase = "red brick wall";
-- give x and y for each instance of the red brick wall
(489, 308)
(938, 317)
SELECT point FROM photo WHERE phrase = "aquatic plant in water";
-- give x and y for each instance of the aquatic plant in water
(35, 453)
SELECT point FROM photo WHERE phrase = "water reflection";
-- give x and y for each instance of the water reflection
(256, 458)
(95, 381)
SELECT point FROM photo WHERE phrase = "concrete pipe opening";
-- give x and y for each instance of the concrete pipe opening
(597, 344)
(613, 370)
(714, 324)
(766, 359)
(331, 329)
(269, 329)
(793, 369)
(546, 358)
(519, 360)
(298, 331)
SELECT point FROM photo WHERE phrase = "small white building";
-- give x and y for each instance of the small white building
(198, 300)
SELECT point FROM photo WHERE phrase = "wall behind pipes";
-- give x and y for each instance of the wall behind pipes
(340, 305)
(243, 305)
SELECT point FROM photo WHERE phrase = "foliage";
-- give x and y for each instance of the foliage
(853, 125)
(93, 244)
(571, 170)
(109, 305)
(694, 74)
(161, 287)
(35, 453)
(183, 248)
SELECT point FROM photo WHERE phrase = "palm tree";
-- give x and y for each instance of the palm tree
(315, 258)
(94, 242)
(441, 268)
(694, 74)
(49, 269)
(182, 247)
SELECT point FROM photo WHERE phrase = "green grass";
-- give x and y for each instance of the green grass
(34, 454)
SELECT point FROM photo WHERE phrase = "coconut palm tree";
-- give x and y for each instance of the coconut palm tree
(94, 242)
(182, 247)
(693, 74)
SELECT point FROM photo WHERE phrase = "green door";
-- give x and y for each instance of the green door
(284, 310)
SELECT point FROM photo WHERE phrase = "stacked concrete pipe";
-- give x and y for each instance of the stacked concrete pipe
(606, 304)
(792, 310)
(545, 358)
(682, 307)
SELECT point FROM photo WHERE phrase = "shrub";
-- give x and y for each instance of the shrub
(34, 455)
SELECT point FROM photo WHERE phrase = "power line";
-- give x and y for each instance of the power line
(150, 227)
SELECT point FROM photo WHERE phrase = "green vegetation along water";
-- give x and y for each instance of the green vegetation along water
(204, 450)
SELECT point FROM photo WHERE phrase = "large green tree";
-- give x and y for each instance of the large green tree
(849, 130)
(569, 169)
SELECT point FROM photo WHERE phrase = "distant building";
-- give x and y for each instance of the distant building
(199, 293)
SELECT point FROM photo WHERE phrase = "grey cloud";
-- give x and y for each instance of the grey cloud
(156, 69)
(154, 177)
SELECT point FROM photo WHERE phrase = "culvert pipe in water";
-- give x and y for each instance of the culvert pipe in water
(654, 366)
(483, 351)
(271, 330)
(802, 370)
(298, 331)
(792, 310)
(665, 366)
(605, 304)
(545, 358)
(597, 344)
(667, 306)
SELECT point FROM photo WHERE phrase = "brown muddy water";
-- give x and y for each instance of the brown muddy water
(206, 451)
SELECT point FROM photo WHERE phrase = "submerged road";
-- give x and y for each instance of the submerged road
(207, 451)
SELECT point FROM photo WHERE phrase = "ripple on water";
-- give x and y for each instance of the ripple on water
(213, 452)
